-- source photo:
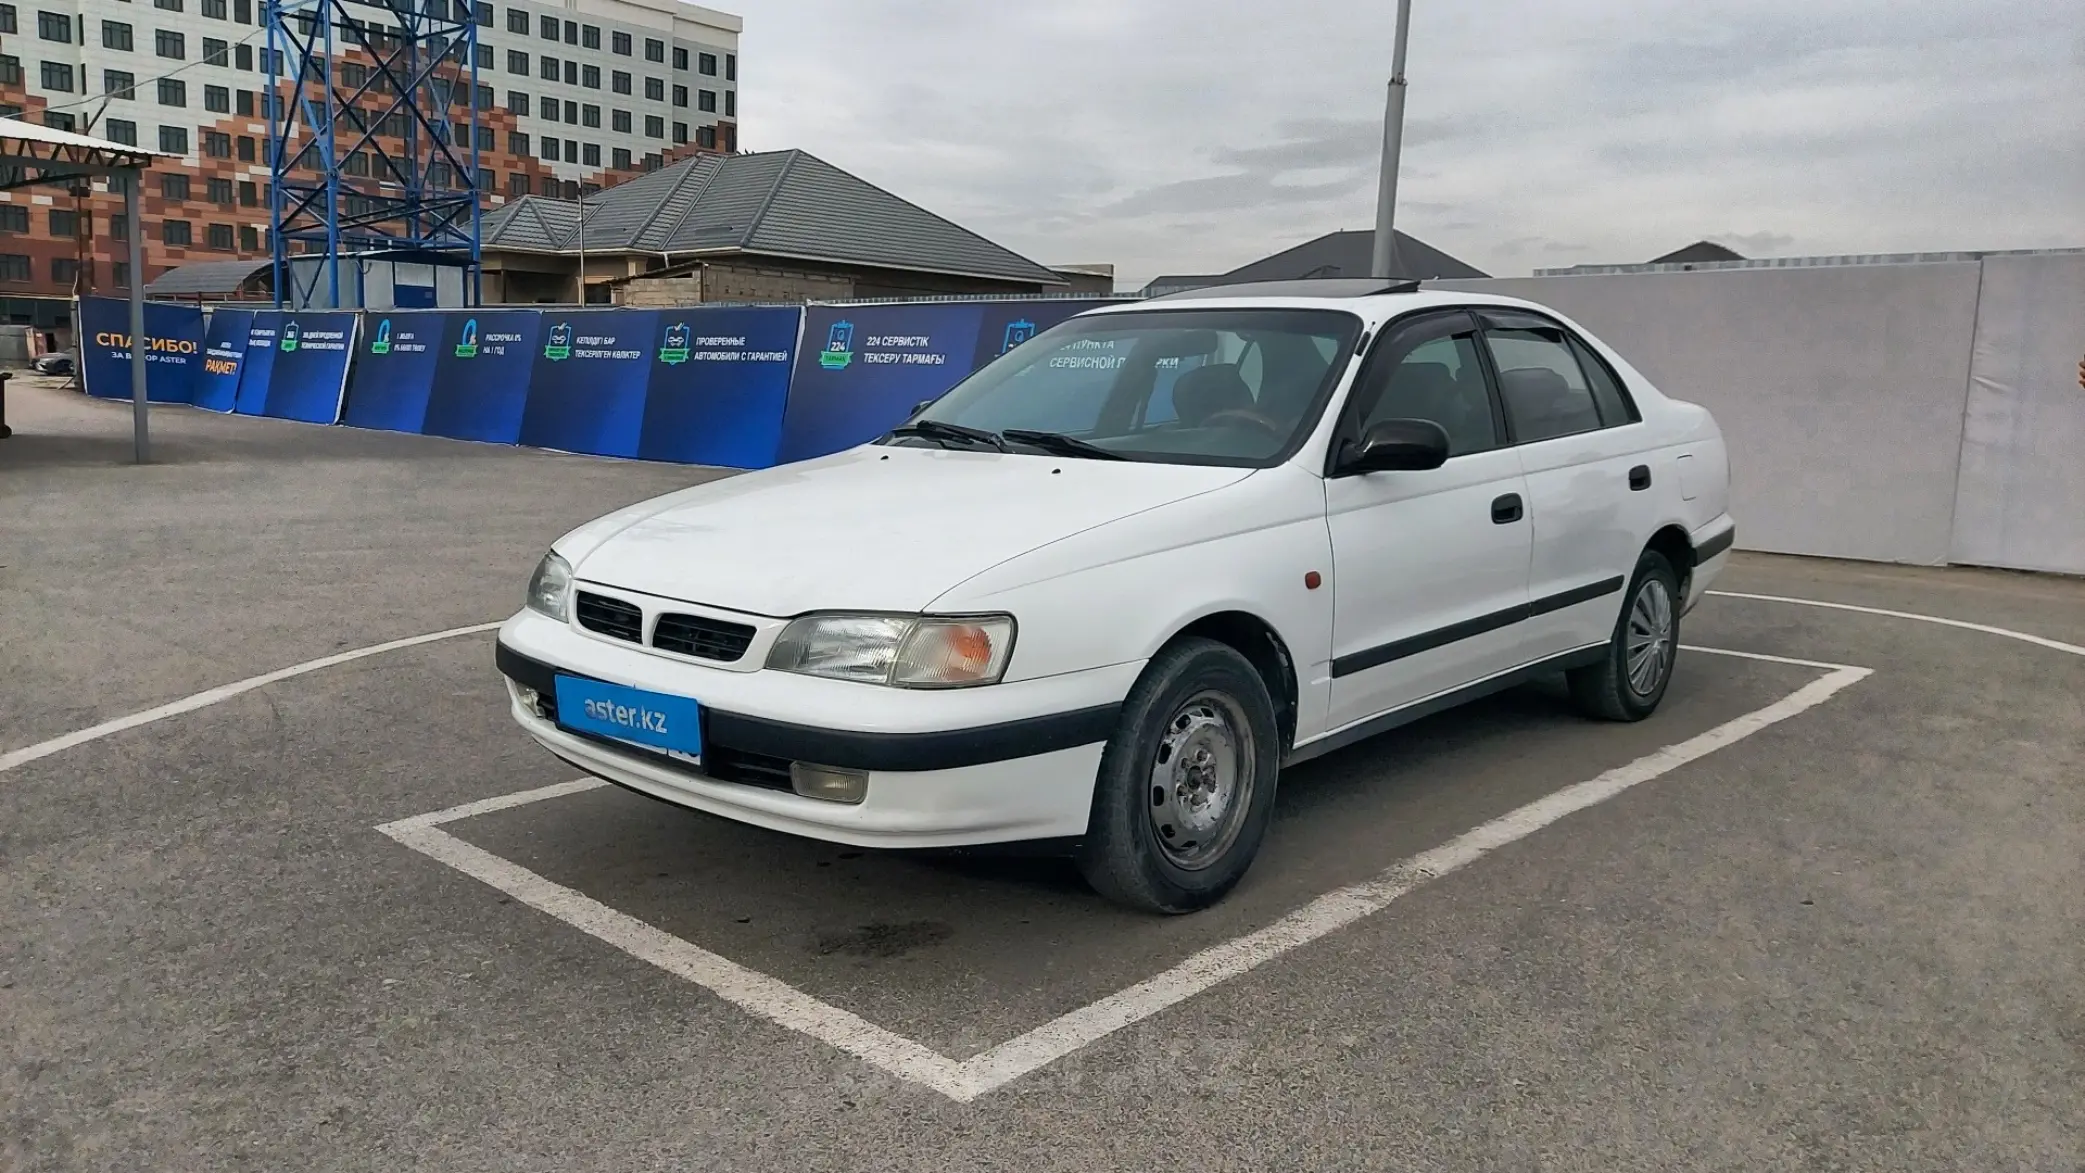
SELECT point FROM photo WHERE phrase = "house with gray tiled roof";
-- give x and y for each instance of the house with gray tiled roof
(770, 226)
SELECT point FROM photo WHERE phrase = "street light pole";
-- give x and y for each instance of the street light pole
(1393, 142)
(582, 247)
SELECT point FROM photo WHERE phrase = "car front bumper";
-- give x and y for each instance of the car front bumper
(946, 768)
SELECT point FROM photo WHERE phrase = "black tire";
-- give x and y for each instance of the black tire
(1141, 850)
(1608, 690)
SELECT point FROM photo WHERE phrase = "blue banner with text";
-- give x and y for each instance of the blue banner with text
(394, 372)
(224, 357)
(173, 349)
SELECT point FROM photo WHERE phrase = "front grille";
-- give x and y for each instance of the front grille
(709, 639)
(747, 769)
(611, 617)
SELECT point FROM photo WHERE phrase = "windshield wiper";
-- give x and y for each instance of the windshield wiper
(1059, 444)
(931, 429)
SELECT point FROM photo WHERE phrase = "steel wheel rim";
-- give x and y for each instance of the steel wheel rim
(1201, 781)
(1649, 646)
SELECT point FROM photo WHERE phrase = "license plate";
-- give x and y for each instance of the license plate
(652, 719)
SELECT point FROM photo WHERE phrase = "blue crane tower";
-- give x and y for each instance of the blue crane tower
(373, 140)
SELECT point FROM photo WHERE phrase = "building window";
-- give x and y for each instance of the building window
(481, 12)
(590, 154)
(483, 57)
(119, 227)
(517, 102)
(517, 62)
(249, 195)
(174, 187)
(549, 109)
(217, 99)
(170, 45)
(117, 83)
(654, 161)
(218, 236)
(167, 5)
(517, 143)
(54, 26)
(619, 82)
(730, 103)
(441, 175)
(517, 21)
(654, 49)
(517, 184)
(706, 101)
(218, 191)
(353, 76)
(216, 52)
(654, 90)
(680, 58)
(680, 96)
(242, 57)
(60, 120)
(64, 223)
(680, 132)
(486, 98)
(619, 44)
(590, 116)
(246, 148)
(14, 267)
(14, 218)
(64, 269)
(546, 27)
(11, 74)
(176, 232)
(706, 137)
(214, 9)
(122, 274)
(174, 141)
(271, 62)
(487, 139)
(173, 92)
(249, 238)
(7, 24)
(571, 32)
(357, 163)
(121, 130)
(590, 36)
(116, 35)
(619, 120)
(549, 148)
(708, 65)
(572, 113)
(550, 70)
(590, 76)
(217, 144)
(620, 158)
(654, 126)
(571, 73)
(57, 76)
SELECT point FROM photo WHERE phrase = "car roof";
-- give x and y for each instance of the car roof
(1373, 300)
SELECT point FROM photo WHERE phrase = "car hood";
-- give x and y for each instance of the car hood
(872, 529)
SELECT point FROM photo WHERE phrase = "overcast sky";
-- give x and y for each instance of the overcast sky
(1192, 136)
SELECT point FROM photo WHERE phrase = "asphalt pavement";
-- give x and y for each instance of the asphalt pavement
(1847, 940)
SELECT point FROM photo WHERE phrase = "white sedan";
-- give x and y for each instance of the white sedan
(1107, 587)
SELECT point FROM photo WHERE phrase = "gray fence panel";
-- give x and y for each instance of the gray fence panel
(2020, 501)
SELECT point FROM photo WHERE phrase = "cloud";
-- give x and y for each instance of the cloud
(1198, 135)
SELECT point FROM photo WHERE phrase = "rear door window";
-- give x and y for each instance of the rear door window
(1544, 390)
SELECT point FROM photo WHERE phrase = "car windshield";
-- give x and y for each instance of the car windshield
(1216, 386)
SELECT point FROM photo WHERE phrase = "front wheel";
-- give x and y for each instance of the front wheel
(1186, 785)
(1630, 680)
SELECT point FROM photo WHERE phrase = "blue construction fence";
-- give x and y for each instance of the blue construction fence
(737, 386)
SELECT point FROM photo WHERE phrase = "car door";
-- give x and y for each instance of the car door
(1581, 447)
(1430, 567)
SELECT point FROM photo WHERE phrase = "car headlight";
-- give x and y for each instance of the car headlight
(904, 651)
(550, 586)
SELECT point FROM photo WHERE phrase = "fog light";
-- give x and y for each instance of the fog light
(529, 699)
(825, 782)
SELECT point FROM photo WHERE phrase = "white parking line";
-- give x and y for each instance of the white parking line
(965, 1080)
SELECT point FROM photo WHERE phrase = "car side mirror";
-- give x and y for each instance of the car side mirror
(1400, 445)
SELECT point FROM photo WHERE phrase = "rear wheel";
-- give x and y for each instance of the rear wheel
(1630, 680)
(1186, 785)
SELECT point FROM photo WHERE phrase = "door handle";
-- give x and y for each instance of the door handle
(1640, 478)
(1505, 510)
